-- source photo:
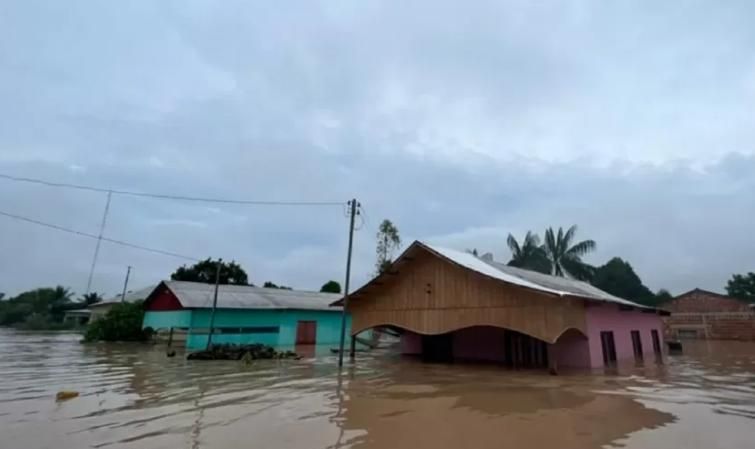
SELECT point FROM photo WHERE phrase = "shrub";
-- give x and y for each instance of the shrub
(123, 322)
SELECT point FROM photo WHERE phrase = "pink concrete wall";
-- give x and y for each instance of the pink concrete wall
(410, 343)
(571, 350)
(610, 318)
(479, 343)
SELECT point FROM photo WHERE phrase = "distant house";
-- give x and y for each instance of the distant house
(100, 309)
(702, 314)
(77, 317)
(451, 305)
(244, 314)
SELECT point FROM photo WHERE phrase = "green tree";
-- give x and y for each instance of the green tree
(91, 298)
(618, 278)
(529, 255)
(565, 257)
(204, 271)
(388, 240)
(331, 287)
(269, 284)
(123, 322)
(663, 296)
(742, 286)
(45, 305)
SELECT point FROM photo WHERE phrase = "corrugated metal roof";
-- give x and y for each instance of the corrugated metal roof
(531, 279)
(200, 295)
(132, 296)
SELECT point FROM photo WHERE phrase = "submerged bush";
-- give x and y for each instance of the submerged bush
(123, 322)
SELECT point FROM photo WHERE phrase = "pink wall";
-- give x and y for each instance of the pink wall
(571, 350)
(410, 343)
(479, 343)
(610, 318)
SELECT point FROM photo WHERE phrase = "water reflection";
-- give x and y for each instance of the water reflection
(132, 396)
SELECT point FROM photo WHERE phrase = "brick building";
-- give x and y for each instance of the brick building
(707, 315)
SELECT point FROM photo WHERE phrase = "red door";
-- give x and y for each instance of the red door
(306, 332)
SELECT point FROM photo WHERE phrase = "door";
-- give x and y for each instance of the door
(609, 348)
(306, 332)
(656, 344)
(438, 348)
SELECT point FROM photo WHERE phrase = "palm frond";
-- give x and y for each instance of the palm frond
(550, 243)
(569, 236)
(582, 248)
(513, 246)
(531, 240)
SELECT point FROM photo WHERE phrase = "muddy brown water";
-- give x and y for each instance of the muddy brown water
(132, 396)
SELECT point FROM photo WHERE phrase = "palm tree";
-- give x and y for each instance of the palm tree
(565, 258)
(529, 255)
(91, 298)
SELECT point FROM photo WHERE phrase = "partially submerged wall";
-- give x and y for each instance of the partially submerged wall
(707, 315)
(621, 322)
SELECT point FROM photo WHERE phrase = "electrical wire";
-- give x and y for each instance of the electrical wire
(92, 236)
(168, 196)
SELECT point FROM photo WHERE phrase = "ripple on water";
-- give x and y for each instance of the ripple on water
(132, 396)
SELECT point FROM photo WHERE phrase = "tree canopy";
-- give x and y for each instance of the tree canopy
(39, 308)
(742, 286)
(331, 287)
(204, 271)
(529, 255)
(388, 240)
(269, 284)
(618, 278)
(662, 296)
(91, 298)
(565, 257)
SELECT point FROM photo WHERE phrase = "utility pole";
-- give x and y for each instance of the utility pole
(99, 241)
(125, 284)
(214, 304)
(354, 206)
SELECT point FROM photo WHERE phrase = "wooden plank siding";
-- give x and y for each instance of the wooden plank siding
(430, 295)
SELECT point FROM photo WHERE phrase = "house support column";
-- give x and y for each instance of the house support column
(552, 364)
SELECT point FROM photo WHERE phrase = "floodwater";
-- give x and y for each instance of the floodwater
(132, 396)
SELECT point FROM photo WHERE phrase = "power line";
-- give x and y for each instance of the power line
(168, 196)
(92, 236)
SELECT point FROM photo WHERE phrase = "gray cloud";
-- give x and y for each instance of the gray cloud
(632, 120)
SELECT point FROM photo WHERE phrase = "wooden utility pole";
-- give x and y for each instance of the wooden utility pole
(214, 304)
(353, 212)
(125, 284)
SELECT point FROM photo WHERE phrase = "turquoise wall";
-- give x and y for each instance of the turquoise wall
(198, 323)
(167, 319)
(232, 318)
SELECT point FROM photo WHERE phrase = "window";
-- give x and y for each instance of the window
(656, 344)
(686, 333)
(239, 330)
(609, 348)
(637, 345)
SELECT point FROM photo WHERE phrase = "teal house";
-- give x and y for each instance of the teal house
(244, 314)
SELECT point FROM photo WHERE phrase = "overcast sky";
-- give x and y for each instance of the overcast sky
(461, 123)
